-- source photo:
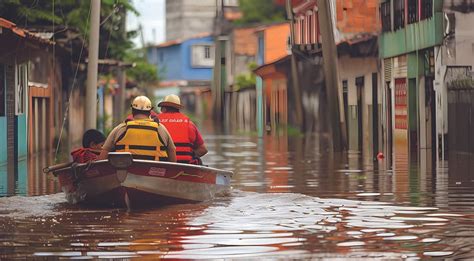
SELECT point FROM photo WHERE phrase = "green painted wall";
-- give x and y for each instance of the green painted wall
(3, 141)
(22, 136)
(417, 36)
(21, 186)
(3, 180)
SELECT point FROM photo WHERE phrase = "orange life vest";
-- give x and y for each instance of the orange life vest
(177, 125)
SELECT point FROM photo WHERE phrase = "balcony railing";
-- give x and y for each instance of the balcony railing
(399, 14)
(385, 16)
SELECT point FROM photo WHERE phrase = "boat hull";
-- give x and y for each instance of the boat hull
(141, 183)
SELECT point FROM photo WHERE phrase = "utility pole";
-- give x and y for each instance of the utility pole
(219, 73)
(294, 70)
(330, 75)
(92, 67)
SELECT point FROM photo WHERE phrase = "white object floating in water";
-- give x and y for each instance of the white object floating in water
(368, 194)
(430, 240)
(438, 253)
(401, 238)
(351, 243)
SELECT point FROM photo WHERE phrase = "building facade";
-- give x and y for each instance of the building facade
(186, 18)
(274, 74)
(27, 92)
(356, 29)
(186, 64)
(412, 32)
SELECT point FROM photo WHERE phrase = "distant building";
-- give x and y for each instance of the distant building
(274, 70)
(185, 63)
(186, 18)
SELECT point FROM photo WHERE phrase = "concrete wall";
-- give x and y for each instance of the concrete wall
(244, 51)
(185, 18)
(349, 69)
(174, 62)
(457, 50)
(276, 37)
(357, 16)
(168, 61)
(188, 72)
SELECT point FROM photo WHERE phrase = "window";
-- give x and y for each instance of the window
(161, 57)
(426, 9)
(20, 88)
(385, 15)
(3, 90)
(399, 14)
(38, 70)
(202, 55)
(303, 38)
(310, 28)
(412, 11)
(207, 52)
(234, 3)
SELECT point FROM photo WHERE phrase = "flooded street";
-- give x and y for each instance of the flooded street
(289, 200)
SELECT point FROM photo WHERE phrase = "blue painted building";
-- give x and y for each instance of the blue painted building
(18, 51)
(184, 62)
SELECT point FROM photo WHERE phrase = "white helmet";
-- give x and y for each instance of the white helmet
(171, 100)
(142, 103)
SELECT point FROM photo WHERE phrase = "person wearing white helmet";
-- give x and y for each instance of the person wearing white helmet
(190, 146)
(143, 137)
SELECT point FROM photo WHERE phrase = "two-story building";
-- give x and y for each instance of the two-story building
(412, 32)
(185, 65)
(356, 26)
(274, 71)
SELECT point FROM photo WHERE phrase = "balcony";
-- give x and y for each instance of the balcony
(416, 36)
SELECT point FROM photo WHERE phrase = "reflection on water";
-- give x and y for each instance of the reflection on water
(291, 199)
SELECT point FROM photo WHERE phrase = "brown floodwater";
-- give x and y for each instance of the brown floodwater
(290, 200)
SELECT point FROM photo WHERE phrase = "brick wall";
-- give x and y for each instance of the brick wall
(357, 16)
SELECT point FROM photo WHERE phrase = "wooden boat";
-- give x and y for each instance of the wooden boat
(122, 181)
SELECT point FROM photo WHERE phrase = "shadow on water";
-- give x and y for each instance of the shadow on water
(291, 199)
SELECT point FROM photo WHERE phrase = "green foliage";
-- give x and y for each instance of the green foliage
(246, 80)
(142, 72)
(261, 11)
(114, 41)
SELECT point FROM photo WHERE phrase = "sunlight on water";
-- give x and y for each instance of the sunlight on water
(289, 201)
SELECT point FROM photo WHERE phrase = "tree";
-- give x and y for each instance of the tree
(261, 11)
(75, 14)
(142, 72)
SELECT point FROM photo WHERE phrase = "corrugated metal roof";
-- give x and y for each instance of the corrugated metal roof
(181, 40)
(22, 32)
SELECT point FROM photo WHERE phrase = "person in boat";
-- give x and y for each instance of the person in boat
(92, 142)
(143, 137)
(189, 144)
(153, 116)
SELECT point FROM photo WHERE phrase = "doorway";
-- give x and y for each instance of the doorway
(360, 104)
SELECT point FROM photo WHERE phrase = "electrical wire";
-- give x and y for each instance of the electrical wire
(71, 92)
